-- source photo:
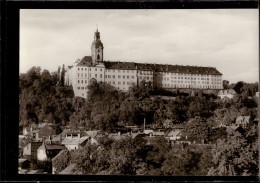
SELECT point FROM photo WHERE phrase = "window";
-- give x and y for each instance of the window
(118, 71)
(81, 74)
(95, 75)
(127, 77)
(78, 74)
(119, 83)
(123, 77)
(133, 77)
(113, 76)
(90, 69)
(119, 76)
(78, 81)
(105, 76)
(82, 88)
(86, 81)
(82, 69)
(85, 75)
(81, 81)
(78, 69)
(123, 83)
(78, 88)
(85, 69)
(95, 69)
(100, 75)
(100, 69)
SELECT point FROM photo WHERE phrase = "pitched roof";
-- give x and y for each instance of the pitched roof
(74, 141)
(87, 60)
(92, 133)
(69, 169)
(174, 133)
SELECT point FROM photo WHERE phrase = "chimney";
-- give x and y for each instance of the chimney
(78, 135)
(119, 133)
(186, 137)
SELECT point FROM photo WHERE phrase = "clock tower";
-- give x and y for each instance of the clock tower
(97, 49)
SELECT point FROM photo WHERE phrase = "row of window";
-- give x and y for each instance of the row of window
(94, 69)
(119, 77)
(145, 78)
(119, 83)
(189, 86)
(123, 71)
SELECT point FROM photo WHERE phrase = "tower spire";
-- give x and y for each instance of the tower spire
(97, 49)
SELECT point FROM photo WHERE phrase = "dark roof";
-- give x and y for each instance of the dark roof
(85, 61)
(119, 65)
(162, 67)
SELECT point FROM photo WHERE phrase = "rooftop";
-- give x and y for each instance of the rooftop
(86, 61)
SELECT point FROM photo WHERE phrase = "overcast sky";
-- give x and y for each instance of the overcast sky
(223, 38)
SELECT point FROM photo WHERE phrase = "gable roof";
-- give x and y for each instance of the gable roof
(74, 141)
(174, 133)
(69, 169)
(85, 61)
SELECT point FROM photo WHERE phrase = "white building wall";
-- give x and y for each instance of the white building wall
(41, 155)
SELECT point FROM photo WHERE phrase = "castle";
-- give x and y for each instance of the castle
(123, 75)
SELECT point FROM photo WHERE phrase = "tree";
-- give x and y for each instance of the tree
(237, 154)
(225, 84)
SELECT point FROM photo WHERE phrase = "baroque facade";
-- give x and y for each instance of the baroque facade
(122, 75)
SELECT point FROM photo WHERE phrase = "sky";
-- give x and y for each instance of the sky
(223, 38)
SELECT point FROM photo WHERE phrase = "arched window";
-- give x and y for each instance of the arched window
(98, 57)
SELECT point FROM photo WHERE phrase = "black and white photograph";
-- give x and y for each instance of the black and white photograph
(139, 92)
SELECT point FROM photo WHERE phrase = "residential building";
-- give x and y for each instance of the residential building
(75, 142)
(226, 93)
(242, 120)
(123, 75)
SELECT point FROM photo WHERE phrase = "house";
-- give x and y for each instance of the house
(174, 134)
(242, 120)
(23, 142)
(184, 140)
(69, 169)
(118, 136)
(54, 166)
(158, 133)
(75, 142)
(29, 150)
(43, 131)
(45, 153)
(226, 94)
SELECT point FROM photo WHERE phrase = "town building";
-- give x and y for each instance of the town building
(123, 75)
(226, 94)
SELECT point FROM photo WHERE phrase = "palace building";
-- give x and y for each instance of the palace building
(122, 75)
